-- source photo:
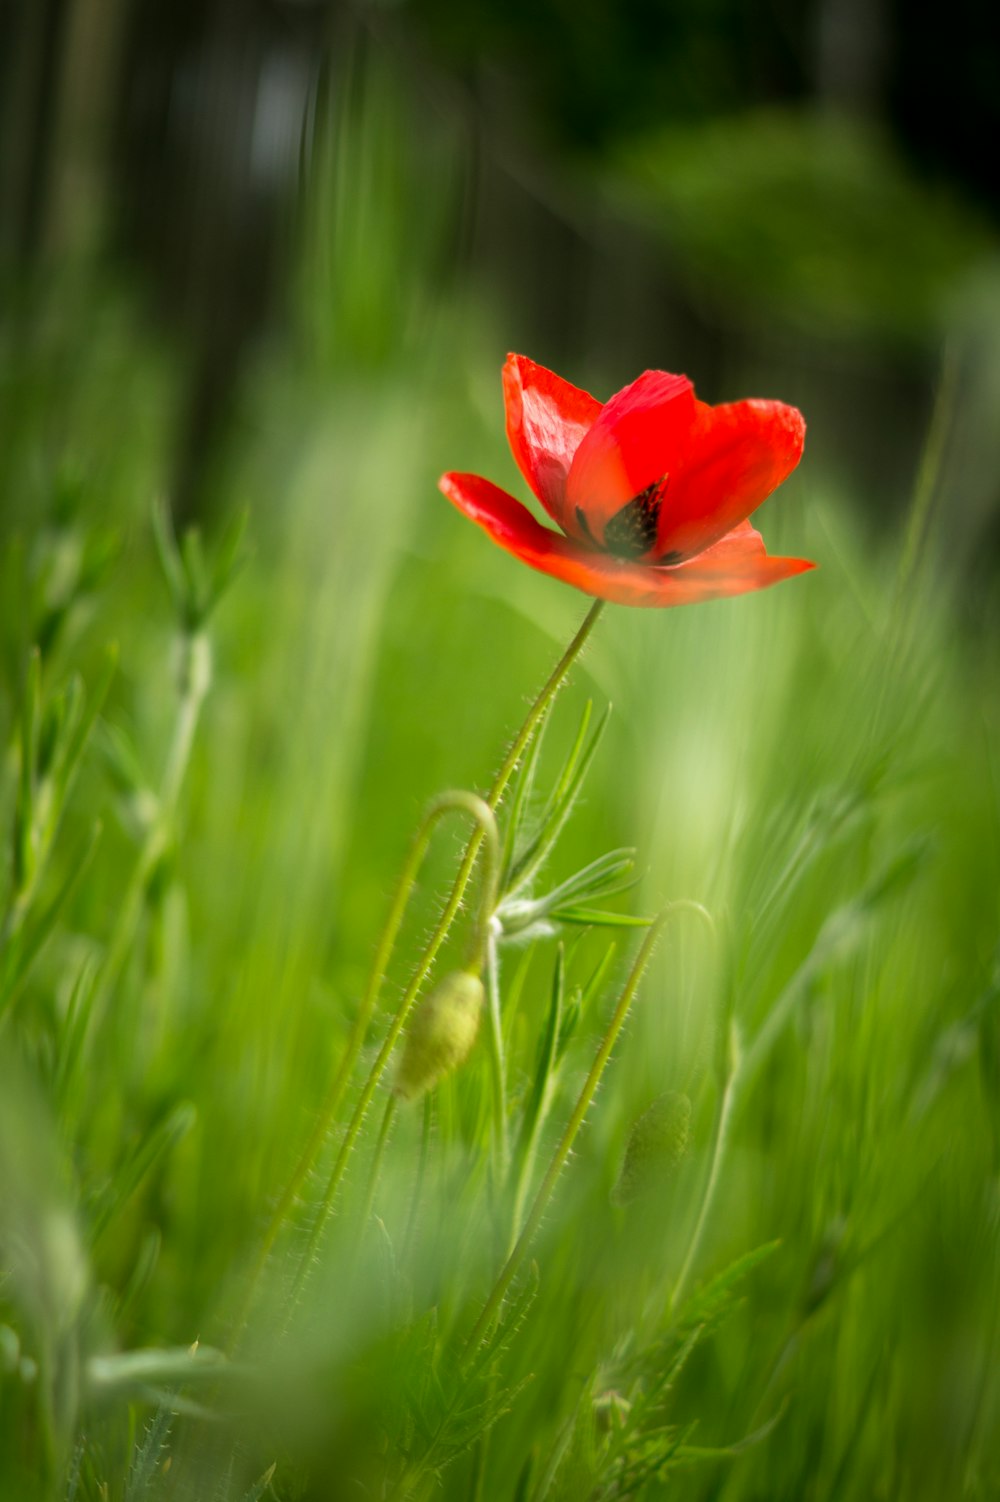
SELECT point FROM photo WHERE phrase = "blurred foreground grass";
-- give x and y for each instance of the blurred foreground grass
(817, 766)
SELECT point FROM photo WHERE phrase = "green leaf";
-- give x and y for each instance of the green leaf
(230, 558)
(261, 1485)
(170, 1366)
(170, 558)
(588, 917)
(605, 877)
(709, 1303)
(196, 578)
(81, 726)
(69, 1042)
(840, 936)
(25, 834)
(560, 805)
(155, 1146)
(545, 1060)
(521, 800)
(28, 943)
(73, 1475)
(148, 1454)
(583, 999)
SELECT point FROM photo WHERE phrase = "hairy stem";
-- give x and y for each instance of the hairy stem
(376, 1167)
(486, 831)
(446, 803)
(498, 1067)
(533, 719)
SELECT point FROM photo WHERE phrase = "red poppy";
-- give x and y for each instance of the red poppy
(651, 491)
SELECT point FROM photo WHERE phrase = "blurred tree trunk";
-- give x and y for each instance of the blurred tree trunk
(31, 47)
(85, 108)
(61, 63)
(852, 53)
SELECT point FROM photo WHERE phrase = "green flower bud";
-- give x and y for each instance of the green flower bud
(611, 1411)
(656, 1144)
(441, 1035)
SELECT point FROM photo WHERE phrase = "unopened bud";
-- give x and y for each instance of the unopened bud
(656, 1144)
(441, 1035)
(611, 1411)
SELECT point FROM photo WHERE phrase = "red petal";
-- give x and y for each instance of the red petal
(737, 454)
(733, 566)
(638, 438)
(546, 419)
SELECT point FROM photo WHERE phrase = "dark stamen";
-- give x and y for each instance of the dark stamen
(585, 525)
(632, 530)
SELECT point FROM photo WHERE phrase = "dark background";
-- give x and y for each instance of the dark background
(796, 191)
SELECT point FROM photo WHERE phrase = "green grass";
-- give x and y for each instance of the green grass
(802, 1303)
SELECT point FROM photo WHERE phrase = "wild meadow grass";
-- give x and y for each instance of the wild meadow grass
(754, 1255)
(767, 1264)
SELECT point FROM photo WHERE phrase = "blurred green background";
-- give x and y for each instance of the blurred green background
(269, 258)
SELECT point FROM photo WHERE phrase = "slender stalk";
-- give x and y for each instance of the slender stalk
(483, 812)
(446, 803)
(196, 677)
(722, 1121)
(532, 720)
(562, 1151)
(524, 1176)
(928, 473)
(486, 831)
(498, 1067)
(376, 1168)
(541, 704)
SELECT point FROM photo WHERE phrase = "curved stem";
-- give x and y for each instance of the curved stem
(452, 802)
(446, 803)
(331, 1104)
(487, 831)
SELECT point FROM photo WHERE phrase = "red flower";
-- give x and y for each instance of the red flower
(651, 491)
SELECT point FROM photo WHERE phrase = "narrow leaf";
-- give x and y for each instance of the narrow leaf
(261, 1485)
(156, 1145)
(147, 1455)
(559, 808)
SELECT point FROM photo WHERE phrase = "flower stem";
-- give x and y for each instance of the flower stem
(486, 829)
(453, 802)
(498, 1067)
(374, 1171)
(541, 704)
(195, 681)
(539, 708)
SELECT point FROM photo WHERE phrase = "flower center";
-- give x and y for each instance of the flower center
(632, 530)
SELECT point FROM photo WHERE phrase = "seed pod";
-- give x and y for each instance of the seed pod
(656, 1144)
(441, 1035)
